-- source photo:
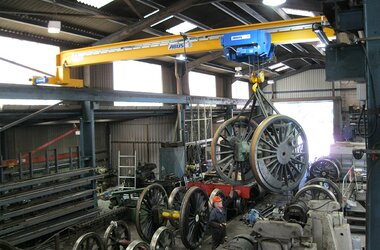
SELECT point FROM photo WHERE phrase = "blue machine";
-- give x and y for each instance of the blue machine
(251, 217)
(250, 46)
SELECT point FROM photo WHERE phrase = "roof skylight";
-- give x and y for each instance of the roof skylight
(277, 65)
(297, 12)
(95, 3)
(182, 27)
(282, 68)
(151, 13)
(162, 20)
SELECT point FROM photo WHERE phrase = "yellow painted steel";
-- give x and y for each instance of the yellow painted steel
(282, 32)
(171, 214)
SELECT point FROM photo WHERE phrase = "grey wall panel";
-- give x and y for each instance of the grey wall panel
(311, 84)
(28, 138)
(298, 84)
(101, 76)
(143, 136)
(25, 139)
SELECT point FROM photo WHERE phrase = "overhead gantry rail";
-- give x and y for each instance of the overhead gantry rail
(282, 32)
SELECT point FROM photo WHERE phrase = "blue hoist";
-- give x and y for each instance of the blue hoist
(251, 46)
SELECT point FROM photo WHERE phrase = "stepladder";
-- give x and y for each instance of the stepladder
(126, 173)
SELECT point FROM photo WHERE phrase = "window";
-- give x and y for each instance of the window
(240, 91)
(34, 55)
(316, 119)
(137, 76)
(202, 84)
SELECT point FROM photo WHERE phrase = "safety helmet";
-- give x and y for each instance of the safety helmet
(216, 199)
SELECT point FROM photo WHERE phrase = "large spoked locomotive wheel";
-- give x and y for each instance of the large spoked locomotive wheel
(279, 153)
(148, 211)
(194, 217)
(175, 201)
(230, 150)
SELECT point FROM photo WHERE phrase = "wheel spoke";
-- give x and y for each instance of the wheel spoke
(276, 137)
(268, 157)
(225, 152)
(225, 138)
(297, 161)
(266, 150)
(223, 145)
(290, 172)
(249, 135)
(267, 143)
(225, 159)
(268, 135)
(228, 164)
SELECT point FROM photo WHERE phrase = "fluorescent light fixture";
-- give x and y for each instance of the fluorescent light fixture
(180, 57)
(54, 27)
(318, 30)
(151, 13)
(320, 45)
(277, 65)
(282, 68)
(297, 12)
(181, 28)
(95, 3)
(162, 20)
(270, 82)
(273, 2)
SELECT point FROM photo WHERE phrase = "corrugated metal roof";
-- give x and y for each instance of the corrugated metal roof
(82, 25)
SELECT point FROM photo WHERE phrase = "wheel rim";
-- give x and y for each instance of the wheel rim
(336, 161)
(89, 241)
(138, 245)
(329, 184)
(325, 168)
(175, 201)
(279, 153)
(116, 234)
(217, 192)
(163, 239)
(314, 192)
(230, 150)
(148, 211)
(194, 217)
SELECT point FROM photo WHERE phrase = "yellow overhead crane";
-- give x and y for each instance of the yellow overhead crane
(282, 32)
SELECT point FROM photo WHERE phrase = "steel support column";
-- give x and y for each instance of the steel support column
(372, 31)
(88, 134)
(182, 78)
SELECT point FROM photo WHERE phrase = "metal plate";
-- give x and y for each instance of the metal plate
(163, 239)
(328, 184)
(279, 153)
(89, 241)
(175, 201)
(138, 245)
(117, 235)
(314, 192)
(230, 150)
(194, 217)
(148, 211)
